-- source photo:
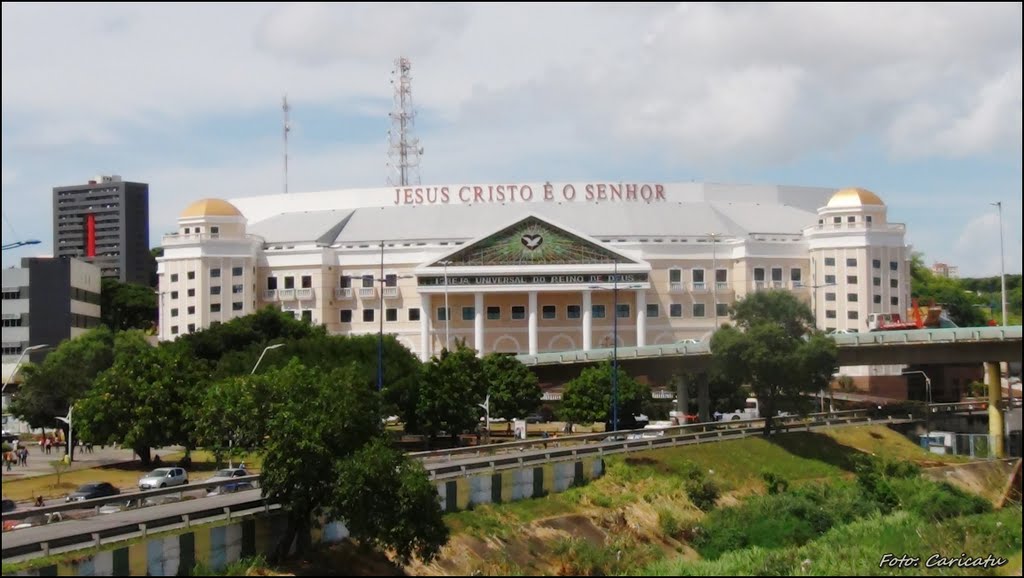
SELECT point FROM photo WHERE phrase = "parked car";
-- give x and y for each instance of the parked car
(37, 520)
(9, 506)
(163, 478)
(226, 475)
(91, 491)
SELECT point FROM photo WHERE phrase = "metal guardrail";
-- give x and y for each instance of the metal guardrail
(96, 503)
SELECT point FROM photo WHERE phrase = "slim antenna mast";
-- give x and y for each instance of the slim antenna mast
(404, 148)
(287, 129)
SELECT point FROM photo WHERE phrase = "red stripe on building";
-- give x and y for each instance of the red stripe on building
(90, 235)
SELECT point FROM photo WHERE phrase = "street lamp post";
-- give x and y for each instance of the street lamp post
(17, 364)
(615, 341)
(1002, 262)
(380, 334)
(265, 350)
(68, 447)
(486, 405)
(928, 408)
(714, 273)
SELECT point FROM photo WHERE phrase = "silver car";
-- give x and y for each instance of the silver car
(163, 478)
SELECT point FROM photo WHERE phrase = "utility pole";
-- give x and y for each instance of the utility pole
(287, 129)
(404, 147)
(1002, 261)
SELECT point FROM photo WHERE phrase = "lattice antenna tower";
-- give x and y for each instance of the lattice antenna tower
(404, 150)
(286, 109)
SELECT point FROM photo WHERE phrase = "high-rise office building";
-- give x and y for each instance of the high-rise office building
(105, 222)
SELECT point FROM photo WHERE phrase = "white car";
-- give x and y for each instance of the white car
(163, 478)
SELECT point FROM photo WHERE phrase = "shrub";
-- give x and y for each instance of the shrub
(703, 493)
(776, 483)
(938, 500)
(668, 523)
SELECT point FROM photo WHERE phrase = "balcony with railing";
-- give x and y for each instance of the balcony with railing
(699, 286)
(722, 286)
(675, 286)
(390, 292)
(270, 295)
(342, 292)
(286, 294)
(304, 294)
(194, 238)
(367, 292)
(860, 225)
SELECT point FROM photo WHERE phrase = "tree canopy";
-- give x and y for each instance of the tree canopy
(588, 397)
(962, 306)
(775, 349)
(451, 387)
(127, 306)
(514, 389)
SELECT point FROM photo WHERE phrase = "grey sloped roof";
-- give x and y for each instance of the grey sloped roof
(471, 221)
(302, 226)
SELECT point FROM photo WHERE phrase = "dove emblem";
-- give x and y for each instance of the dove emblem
(532, 242)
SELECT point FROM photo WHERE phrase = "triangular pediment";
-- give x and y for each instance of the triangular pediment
(532, 241)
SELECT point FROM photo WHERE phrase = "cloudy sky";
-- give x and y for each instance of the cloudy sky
(920, 103)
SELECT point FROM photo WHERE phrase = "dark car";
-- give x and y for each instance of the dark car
(92, 491)
(9, 506)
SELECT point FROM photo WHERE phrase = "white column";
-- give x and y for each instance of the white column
(641, 318)
(478, 323)
(425, 339)
(533, 323)
(588, 324)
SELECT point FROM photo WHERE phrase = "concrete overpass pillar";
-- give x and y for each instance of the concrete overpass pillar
(703, 397)
(682, 398)
(995, 416)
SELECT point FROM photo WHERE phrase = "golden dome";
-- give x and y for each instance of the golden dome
(853, 198)
(210, 208)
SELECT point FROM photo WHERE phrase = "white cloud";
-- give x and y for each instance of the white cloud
(977, 250)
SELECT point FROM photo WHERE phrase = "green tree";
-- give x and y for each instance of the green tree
(588, 398)
(63, 377)
(127, 306)
(451, 387)
(147, 399)
(776, 350)
(514, 389)
(387, 500)
(322, 418)
(961, 305)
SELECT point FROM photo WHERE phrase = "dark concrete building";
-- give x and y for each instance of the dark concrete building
(105, 222)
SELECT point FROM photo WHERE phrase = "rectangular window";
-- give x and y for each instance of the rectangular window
(346, 316)
(518, 312)
(698, 275)
(214, 273)
(837, 220)
(894, 266)
(722, 309)
(442, 314)
(345, 281)
(675, 275)
(236, 271)
(851, 262)
(675, 310)
(573, 312)
(215, 290)
(698, 310)
(174, 277)
(236, 306)
(307, 281)
(877, 299)
(851, 219)
(289, 282)
(894, 283)
(307, 316)
(852, 315)
(191, 327)
(796, 275)
(830, 261)
(191, 309)
(652, 310)
(214, 307)
(830, 314)
(191, 292)
(851, 297)
(368, 315)
(214, 230)
(271, 283)
(868, 219)
(830, 296)
(895, 301)
(623, 310)
(174, 312)
(391, 314)
(851, 279)
(721, 276)
(174, 329)
(414, 314)
(468, 313)
(493, 313)
(391, 280)
(548, 312)
(191, 275)
(236, 289)
(876, 263)
(876, 281)
(830, 279)
(174, 294)
(759, 274)
(367, 281)
(597, 311)
(776, 274)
